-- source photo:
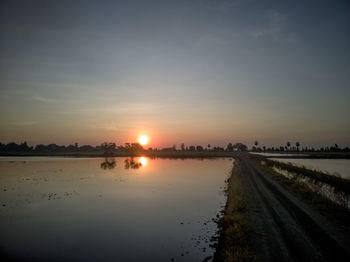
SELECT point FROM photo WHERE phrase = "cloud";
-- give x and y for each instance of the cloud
(42, 99)
(24, 123)
(275, 28)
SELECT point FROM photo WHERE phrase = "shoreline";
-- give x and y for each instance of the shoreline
(238, 229)
(153, 154)
(235, 234)
(177, 154)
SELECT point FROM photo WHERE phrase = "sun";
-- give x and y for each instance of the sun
(143, 140)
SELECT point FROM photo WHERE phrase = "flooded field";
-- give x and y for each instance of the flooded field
(277, 154)
(333, 166)
(123, 209)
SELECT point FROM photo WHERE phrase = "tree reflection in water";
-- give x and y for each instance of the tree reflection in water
(109, 163)
(130, 163)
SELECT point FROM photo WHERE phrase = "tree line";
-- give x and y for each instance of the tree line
(109, 148)
(24, 147)
(296, 147)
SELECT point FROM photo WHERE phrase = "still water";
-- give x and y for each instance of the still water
(333, 166)
(122, 209)
(274, 154)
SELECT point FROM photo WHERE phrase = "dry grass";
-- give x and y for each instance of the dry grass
(236, 235)
(319, 202)
(339, 183)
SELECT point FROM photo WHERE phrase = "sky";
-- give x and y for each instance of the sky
(194, 71)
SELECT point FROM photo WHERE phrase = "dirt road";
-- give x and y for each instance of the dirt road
(286, 228)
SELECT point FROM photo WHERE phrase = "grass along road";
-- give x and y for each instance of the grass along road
(285, 227)
(236, 235)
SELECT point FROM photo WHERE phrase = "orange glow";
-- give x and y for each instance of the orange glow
(143, 140)
(143, 161)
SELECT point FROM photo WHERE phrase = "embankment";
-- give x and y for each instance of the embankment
(235, 233)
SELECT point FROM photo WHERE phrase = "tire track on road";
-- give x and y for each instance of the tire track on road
(286, 229)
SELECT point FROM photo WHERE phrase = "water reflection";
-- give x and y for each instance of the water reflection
(109, 163)
(143, 161)
(164, 214)
(130, 163)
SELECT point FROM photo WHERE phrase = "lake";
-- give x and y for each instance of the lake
(122, 209)
(338, 166)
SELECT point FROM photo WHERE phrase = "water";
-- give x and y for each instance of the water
(277, 154)
(333, 166)
(69, 209)
(323, 189)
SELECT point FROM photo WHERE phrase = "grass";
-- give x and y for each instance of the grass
(325, 206)
(338, 183)
(308, 154)
(235, 233)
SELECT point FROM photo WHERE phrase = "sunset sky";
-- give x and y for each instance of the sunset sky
(194, 71)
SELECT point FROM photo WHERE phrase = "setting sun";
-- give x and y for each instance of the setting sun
(143, 140)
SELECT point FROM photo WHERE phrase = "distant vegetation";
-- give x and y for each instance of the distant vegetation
(108, 149)
(289, 147)
(51, 148)
(133, 149)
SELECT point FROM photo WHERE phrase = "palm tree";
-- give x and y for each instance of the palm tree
(288, 145)
(182, 146)
(256, 143)
(297, 145)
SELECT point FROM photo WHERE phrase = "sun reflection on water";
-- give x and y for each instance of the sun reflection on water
(143, 161)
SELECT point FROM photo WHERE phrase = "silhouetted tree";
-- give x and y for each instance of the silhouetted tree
(229, 147)
(240, 147)
(108, 148)
(199, 148)
(288, 145)
(13, 147)
(87, 148)
(182, 147)
(133, 148)
(297, 144)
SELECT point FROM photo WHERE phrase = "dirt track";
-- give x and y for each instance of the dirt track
(286, 228)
